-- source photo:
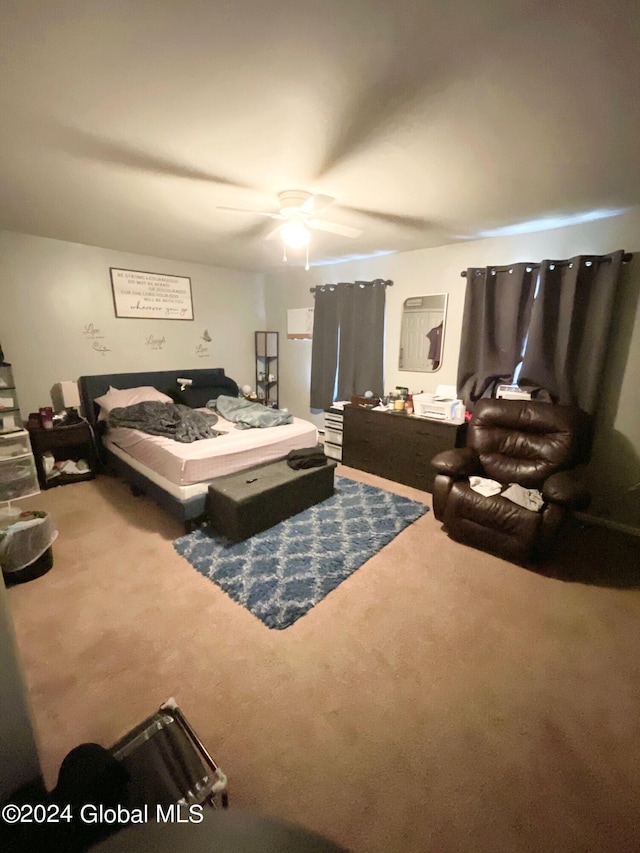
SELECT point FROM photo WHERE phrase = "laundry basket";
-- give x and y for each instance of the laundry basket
(168, 763)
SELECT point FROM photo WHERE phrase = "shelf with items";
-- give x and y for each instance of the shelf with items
(10, 420)
(58, 451)
(267, 370)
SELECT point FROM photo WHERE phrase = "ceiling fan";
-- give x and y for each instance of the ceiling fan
(297, 218)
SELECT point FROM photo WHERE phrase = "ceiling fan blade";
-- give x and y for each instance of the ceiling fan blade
(316, 203)
(254, 212)
(385, 100)
(334, 228)
(415, 222)
(255, 231)
(271, 235)
(89, 146)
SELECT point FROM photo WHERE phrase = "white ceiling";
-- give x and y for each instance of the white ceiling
(125, 124)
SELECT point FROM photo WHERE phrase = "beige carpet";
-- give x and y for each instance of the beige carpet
(439, 699)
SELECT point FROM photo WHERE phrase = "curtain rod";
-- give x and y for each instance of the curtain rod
(384, 282)
(625, 260)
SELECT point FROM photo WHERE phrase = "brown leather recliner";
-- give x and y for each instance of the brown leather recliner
(526, 442)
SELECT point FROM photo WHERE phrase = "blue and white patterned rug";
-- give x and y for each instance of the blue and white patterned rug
(281, 573)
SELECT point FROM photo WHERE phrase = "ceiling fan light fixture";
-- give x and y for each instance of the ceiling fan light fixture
(295, 234)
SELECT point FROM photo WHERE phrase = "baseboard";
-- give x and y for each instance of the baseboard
(604, 522)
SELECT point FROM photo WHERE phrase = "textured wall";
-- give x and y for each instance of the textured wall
(57, 318)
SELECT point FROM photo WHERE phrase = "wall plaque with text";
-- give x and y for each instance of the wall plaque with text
(149, 295)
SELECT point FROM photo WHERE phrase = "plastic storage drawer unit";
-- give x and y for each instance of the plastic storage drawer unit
(14, 444)
(18, 478)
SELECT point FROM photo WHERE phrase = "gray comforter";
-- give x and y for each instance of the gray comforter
(245, 414)
(172, 420)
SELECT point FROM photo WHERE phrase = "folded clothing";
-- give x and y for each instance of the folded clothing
(528, 498)
(307, 457)
(485, 486)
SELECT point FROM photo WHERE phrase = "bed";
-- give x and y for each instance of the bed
(174, 474)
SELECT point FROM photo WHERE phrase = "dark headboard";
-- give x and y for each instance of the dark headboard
(207, 385)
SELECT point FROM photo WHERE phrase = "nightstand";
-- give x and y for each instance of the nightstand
(73, 441)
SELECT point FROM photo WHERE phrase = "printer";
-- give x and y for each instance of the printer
(512, 392)
(444, 405)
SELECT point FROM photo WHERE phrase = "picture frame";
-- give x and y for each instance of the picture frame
(151, 296)
(300, 324)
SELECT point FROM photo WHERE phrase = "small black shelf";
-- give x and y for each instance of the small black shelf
(73, 441)
(64, 479)
(267, 359)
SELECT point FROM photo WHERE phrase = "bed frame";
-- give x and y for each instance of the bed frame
(207, 385)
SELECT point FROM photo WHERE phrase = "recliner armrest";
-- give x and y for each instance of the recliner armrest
(460, 462)
(563, 488)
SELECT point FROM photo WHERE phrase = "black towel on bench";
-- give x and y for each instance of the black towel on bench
(307, 457)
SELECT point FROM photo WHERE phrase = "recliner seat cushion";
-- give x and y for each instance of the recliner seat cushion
(492, 523)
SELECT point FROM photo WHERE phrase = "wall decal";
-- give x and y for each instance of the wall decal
(92, 332)
(94, 335)
(154, 343)
(206, 336)
(148, 295)
(202, 351)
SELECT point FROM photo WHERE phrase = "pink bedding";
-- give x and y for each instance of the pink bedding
(185, 464)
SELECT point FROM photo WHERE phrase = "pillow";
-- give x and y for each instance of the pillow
(116, 398)
(197, 396)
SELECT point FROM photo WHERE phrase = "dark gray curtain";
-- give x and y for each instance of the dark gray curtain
(348, 341)
(324, 347)
(569, 328)
(360, 354)
(497, 309)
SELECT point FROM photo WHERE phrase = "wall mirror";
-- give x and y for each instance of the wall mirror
(422, 332)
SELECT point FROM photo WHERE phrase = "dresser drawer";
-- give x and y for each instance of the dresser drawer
(14, 444)
(332, 436)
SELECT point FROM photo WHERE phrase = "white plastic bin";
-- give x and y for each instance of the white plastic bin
(25, 545)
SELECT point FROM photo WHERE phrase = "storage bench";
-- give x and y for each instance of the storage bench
(245, 503)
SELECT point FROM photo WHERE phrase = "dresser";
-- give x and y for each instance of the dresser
(398, 447)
